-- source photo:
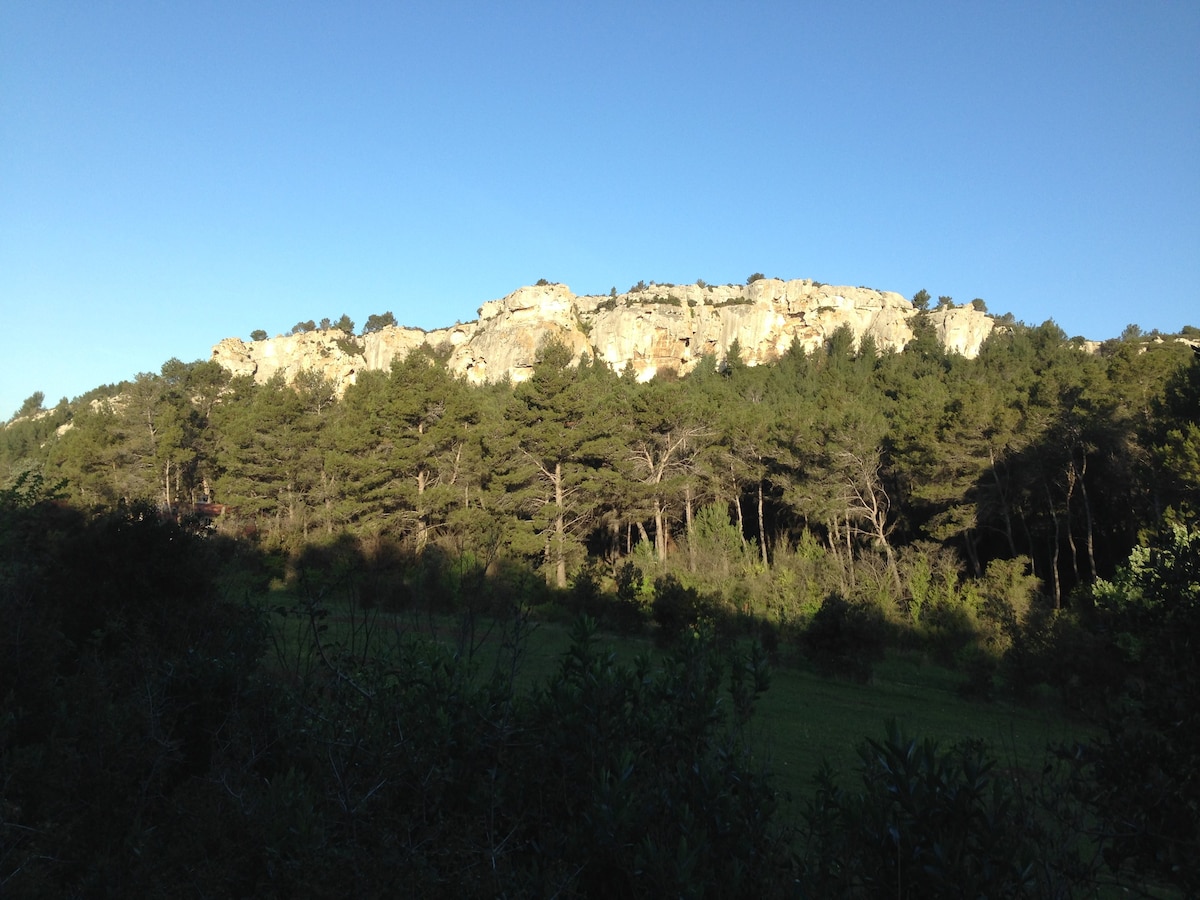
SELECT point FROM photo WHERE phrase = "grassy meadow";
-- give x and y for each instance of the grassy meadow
(804, 719)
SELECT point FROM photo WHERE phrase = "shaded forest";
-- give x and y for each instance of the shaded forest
(1027, 517)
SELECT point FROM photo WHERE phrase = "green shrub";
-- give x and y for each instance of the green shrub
(675, 608)
(632, 600)
(979, 668)
(121, 669)
(948, 628)
(586, 595)
(846, 639)
(932, 823)
(1142, 774)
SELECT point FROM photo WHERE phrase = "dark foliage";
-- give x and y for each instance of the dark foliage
(146, 751)
(845, 638)
(844, 501)
(1142, 777)
(379, 321)
(123, 676)
(931, 823)
(676, 607)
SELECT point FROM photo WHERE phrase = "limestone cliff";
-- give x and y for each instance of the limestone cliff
(660, 328)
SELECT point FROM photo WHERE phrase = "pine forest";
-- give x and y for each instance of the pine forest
(266, 640)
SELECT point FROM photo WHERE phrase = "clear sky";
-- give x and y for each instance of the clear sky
(176, 173)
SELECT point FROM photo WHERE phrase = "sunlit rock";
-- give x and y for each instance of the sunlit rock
(661, 328)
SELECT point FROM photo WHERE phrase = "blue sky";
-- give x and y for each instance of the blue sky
(176, 173)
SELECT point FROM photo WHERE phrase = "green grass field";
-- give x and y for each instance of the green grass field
(803, 719)
(806, 718)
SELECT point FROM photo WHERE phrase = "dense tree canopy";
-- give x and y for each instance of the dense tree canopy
(1036, 449)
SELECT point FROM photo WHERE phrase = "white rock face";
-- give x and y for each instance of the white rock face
(380, 348)
(510, 331)
(665, 327)
(332, 353)
(961, 329)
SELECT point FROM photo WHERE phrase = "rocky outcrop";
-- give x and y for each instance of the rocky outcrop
(660, 328)
(331, 353)
(506, 338)
(961, 329)
(673, 328)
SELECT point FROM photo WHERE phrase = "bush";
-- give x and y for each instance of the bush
(1142, 774)
(846, 639)
(586, 596)
(631, 603)
(675, 608)
(948, 628)
(933, 823)
(641, 785)
(121, 669)
(980, 669)
(145, 752)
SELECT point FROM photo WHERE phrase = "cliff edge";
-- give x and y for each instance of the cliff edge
(658, 328)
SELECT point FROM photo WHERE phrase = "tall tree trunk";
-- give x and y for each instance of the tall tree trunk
(560, 529)
(972, 552)
(850, 556)
(1087, 517)
(762, 531)
(1033, 558)
(890, 554)
(689, 520)
(642, 535)
(1004, 512)
(1072, 477)
(660, 531)
(1054, 556)
(422, 536)
(327, 497)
